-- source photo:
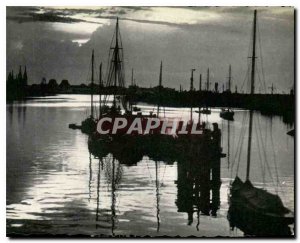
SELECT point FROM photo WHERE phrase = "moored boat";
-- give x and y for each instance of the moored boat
(253, 210)
(227, 114)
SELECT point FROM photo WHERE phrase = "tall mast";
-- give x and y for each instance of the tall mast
(228, 144)
(100, 87)
(192, 89)
(200, 82)
(229, 79)
(192, 79)
(252, 92)
(207, 80)
(92, 86)
(116, 58)
(160, 75)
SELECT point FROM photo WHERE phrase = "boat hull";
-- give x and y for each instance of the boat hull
(258, 212)
(253, 223)
(227, 115)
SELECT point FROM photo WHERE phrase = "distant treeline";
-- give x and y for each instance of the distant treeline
(17, 87)
(269, 104)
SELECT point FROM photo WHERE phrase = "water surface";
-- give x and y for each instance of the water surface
(55, 186)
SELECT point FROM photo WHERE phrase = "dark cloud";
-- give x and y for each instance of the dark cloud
(29, 14)
(50, 53)
(43, 17)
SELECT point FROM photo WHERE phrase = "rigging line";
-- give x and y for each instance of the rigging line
(250, 34)
(246, 75)
(274, 158)
(108, 66)
(235, 156)
(242, 142)
(266, 159)
(261, 56)
(240, 153)
(260, 155)
(240, 139)
(108, 83)
(264, 149)
(258, 75)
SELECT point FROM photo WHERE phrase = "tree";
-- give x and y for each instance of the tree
(64, 85)
(52, 86)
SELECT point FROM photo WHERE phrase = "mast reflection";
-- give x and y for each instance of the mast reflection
(198, 187)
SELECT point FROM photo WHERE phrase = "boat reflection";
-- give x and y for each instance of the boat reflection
(198, 181)
(112, 171)
(198, 187)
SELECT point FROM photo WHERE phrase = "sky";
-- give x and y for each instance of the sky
(57, 42)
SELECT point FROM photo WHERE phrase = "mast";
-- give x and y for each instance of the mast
(192, 79)
(116, 58)
(100, 87)
(229, 79)
(92, 86)
(200, 82)
(115, 77)
(252, 92)
(228, 144)
(207, 80)
(192, 89)
(160, 75)
(159, 87)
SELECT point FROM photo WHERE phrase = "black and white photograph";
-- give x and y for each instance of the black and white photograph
(150, 121)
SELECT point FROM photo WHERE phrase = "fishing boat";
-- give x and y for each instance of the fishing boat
(254, 210)
(227, 113)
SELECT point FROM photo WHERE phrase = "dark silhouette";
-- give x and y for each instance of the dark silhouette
(16, 86)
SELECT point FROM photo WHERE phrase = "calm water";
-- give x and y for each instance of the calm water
(54, 185)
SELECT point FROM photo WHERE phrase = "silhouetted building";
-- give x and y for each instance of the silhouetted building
(16, 87)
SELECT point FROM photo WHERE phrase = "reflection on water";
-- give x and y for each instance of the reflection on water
(55, 186)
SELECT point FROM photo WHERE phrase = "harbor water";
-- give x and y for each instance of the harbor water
(56, 187)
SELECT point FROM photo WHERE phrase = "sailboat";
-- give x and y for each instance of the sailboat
(253, 210)
(227, 113)
(115, 76)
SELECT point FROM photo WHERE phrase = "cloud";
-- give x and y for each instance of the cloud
(33, 15)
(183, 38)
